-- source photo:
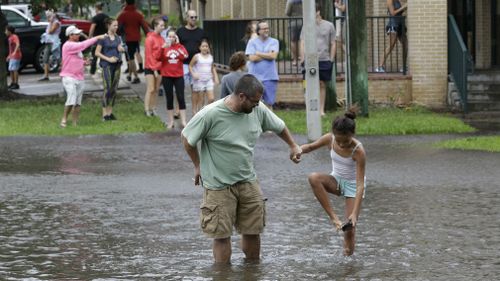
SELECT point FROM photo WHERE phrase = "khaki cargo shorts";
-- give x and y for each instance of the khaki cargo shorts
(240, 205)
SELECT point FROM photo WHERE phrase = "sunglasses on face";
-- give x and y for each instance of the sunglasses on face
(193, 17)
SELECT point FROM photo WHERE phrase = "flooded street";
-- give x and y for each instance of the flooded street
(125, 208)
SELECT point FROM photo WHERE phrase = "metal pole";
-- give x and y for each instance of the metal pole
(311, 68)
(348, 92)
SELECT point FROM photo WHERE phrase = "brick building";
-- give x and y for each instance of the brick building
(427, 23)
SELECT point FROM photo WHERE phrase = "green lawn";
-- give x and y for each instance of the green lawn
(42, 117)
(385, 121)
(489, 143)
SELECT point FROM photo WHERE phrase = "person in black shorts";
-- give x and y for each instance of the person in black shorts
(98, 27)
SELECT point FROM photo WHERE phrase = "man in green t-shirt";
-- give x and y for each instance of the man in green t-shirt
(228, 130)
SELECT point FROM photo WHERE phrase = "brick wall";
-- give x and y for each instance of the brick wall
(381, 89)
(428, 51)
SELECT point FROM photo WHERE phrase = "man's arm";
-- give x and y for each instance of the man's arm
(267, 56)
(333, 50)
(195, 158)
(92, 30)
(295, 150)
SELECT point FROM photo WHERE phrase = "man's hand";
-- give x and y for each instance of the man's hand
(295, 153)
(197, 176)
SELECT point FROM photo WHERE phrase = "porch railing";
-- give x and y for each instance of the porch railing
(459, 60)
(226, 37)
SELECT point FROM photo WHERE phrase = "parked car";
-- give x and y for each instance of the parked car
(29, 32)
(84, 25)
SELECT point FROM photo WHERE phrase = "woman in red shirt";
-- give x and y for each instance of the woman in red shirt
(153, 51)
(173, 76)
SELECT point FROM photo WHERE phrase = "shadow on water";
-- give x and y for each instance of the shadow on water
(125, 209)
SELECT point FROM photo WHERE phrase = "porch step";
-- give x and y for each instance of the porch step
(483, 105)
(485, 121)
(483, 91)
(483, 86)
(486, 75)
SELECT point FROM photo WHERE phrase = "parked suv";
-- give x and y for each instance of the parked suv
(29, 33)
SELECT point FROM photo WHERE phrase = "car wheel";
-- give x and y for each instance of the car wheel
(53, 62)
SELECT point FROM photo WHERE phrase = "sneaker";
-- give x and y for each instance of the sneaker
(141, 70)
(112, 116)
(129, 78)
(44, 79)
(136, 80)
(148, 113)
(106, 118)
(380, 69)
(14, 86)
(10, 86)
(154, 112)
(126, 71)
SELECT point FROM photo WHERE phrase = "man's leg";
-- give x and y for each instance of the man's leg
(250, 245)
(222, 250)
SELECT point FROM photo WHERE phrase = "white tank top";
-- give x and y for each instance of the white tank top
(344, 167)
(203, 67)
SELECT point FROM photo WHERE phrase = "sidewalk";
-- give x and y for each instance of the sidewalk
(30, 86)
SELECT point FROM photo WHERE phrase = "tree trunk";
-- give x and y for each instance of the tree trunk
(3, 55)
(358, 58)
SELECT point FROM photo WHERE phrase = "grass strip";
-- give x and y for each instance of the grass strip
(385, 121)
(43, 116)
(483, 143)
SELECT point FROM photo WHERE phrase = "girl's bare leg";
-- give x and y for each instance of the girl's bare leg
(210, 97)
(321, 185)
(349, 236)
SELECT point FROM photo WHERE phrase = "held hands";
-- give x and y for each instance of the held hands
(295, 153)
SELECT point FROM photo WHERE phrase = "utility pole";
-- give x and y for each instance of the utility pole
(312, 72)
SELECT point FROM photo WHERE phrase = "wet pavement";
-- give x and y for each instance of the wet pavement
(125, 208)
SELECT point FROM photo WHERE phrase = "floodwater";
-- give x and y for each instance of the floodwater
(125, 208)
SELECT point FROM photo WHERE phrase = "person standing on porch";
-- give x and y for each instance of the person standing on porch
(262, 53)
(395, 29)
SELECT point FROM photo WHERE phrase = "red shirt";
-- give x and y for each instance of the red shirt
(132, 21)
(153, 51)
(172, 61)
(13, 42)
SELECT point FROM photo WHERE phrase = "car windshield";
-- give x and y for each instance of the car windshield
(14, 19)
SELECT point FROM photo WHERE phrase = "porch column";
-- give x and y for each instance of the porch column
(483, 34)
(428, 51)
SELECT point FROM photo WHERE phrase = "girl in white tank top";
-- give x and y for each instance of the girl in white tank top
(204, 76)
(347, 178)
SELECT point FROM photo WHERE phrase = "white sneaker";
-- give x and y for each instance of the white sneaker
(380, 69)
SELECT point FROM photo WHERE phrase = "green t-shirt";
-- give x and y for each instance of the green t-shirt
(227, 141)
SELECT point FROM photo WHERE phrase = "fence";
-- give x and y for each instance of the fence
(226, 37)
(459, 60)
